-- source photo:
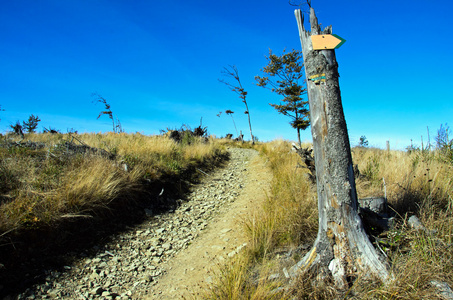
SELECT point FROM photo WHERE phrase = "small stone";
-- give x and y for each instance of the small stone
(105, 294)
(218, 248)
(97, 291)
(52, 294)
(94, 276)
(166, 246)
(232, 253)
(155, 241)
(160, 230)
(107, 284)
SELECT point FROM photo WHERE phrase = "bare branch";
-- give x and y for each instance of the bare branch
(232, 72)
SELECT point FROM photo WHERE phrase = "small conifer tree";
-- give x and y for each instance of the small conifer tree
(363, 142)
(285, 78)
(32, 123)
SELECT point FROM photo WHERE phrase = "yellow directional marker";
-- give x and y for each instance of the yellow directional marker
(326, 41)
(318, 77)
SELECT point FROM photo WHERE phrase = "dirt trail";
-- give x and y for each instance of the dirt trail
(170, 255)
(190, 271)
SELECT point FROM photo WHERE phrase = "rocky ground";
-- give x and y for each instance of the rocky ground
(169, 256)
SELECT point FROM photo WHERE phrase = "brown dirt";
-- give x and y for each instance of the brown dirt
(191, 270)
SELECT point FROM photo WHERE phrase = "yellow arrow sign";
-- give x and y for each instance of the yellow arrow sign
(326, 41)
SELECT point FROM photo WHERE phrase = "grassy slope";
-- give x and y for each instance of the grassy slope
(55, 202)
(417, 183)
(42, 187)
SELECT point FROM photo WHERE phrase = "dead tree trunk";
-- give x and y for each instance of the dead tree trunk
(342, 248)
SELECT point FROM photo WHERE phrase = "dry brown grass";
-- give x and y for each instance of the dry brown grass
(236, 280)
(40, 187)
(417, 183)
(286, 219)
(289, 215)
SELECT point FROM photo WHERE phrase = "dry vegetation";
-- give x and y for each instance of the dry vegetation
(287, 219)
(416, 183)
(41, 187)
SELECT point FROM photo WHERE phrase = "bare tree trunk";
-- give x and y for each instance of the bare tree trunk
(234, 123)
(298, 138)
(342, 248)
(250, 123)
(298, 129)
(234, 73)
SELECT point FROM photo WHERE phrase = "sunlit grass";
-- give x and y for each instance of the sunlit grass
(284, 220)
(42, 186)
(416, 183)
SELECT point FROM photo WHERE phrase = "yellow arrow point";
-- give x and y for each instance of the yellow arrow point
(326, 41)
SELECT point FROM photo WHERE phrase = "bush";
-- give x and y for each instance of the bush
(186, 135)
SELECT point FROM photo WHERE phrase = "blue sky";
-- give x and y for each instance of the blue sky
(158, 63)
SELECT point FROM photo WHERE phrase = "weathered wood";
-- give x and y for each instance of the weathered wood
(309, 161)
(342, 247)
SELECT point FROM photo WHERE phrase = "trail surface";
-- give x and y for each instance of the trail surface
(170, 256)
(190, 271)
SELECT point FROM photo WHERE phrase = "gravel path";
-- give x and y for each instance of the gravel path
(132, 265)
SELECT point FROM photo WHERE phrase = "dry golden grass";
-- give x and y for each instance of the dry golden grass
(236, 280)
(40, 187)
(286, 219)
(417, 183)
(289, 214)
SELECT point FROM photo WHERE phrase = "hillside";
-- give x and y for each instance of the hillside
(235, 233)
(171, 254)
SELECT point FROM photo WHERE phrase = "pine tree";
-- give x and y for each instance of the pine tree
(363, 142)
(32, 123)
(285, 78)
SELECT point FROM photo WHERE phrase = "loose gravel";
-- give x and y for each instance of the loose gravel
(132, 262)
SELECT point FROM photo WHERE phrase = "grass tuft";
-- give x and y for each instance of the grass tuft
(416, 183)
(41, 185)
(286, 219)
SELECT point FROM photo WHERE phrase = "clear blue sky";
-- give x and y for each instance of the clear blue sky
(158, 62)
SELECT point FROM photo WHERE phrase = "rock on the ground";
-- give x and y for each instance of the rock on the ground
(131, 263)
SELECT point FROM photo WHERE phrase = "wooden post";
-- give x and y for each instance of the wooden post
(342, 248)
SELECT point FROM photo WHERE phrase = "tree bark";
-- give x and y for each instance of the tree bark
(250, 123)
(342, 248)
